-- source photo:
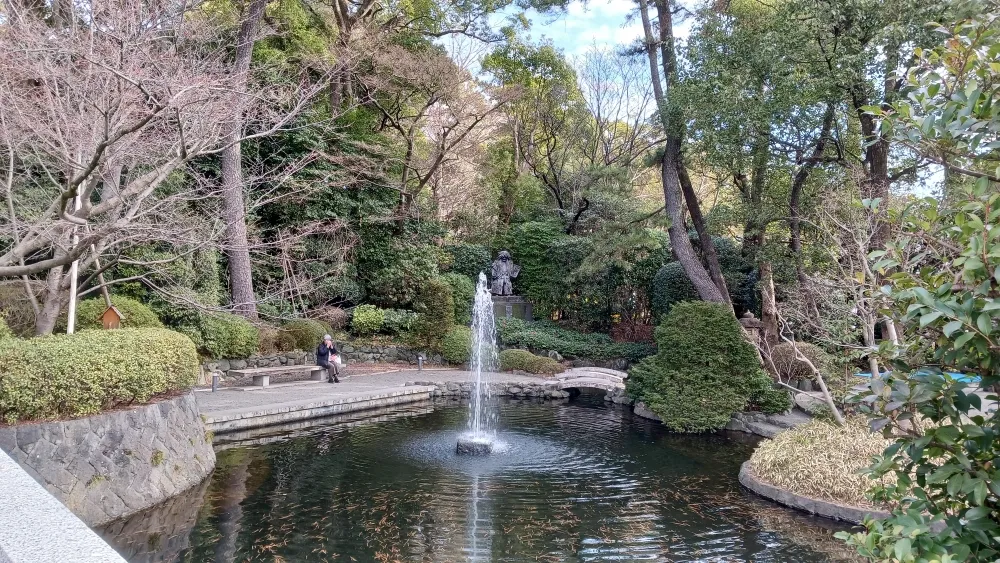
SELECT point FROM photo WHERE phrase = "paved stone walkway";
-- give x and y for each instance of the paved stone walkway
(239, 408)
(245, 407)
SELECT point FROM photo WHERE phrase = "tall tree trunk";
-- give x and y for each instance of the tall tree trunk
(670, 161)
(768, 304)
(794, 212)
(708, 251)
(233, 201)
(52, 300)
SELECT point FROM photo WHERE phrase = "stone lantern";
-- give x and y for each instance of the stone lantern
(753, 326)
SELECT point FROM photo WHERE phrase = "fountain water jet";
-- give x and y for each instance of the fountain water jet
(483, 361)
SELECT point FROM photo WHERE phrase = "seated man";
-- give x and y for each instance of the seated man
(326, 357)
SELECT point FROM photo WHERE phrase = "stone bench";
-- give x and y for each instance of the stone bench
(262, 376)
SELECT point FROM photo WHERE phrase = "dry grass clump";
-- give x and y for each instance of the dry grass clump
(821, 460)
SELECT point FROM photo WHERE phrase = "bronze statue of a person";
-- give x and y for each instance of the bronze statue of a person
(503, 271)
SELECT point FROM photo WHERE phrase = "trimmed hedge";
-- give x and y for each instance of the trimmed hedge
(545, 336)
(90, 371)
(228, 336)
(463, 293)
(457, 345)
(303, 334)
(367, 320)
(703, 372)
(524, 360)
(437, 314)
(134, 314)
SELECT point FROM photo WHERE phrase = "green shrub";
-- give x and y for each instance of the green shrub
(523, 360)
(670, 286)
(134, 314)
(703, 370)
(786, 361)
(5, 331)
(437, 314)
(398, 321)
(303, 334)
(91, 370)
(764, 397)
(468, 259)
(367, 320)
(463, 293)
(228, 336)
(545, 336)
(457, 345)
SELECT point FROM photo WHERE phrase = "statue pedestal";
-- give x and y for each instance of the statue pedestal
(511, 306)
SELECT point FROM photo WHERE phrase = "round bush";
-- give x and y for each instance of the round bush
(523, 360)
(398, 321)
(437, 314)
(91, 370)
(303, 334)
(457, 345)
(228, 336)
(788, 364)
(463, 293)
(703, 369)
(134, 314)
(367, 320)
(670, 285)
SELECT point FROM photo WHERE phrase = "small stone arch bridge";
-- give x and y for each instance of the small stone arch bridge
(609, 380)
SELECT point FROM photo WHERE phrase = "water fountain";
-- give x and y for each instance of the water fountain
(481, 433)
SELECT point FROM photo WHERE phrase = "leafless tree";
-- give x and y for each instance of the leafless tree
(101, 119)
(435, 108)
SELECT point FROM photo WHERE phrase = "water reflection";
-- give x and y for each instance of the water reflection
(579, 482)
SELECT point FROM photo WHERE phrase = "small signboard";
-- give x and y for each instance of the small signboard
(112, 317)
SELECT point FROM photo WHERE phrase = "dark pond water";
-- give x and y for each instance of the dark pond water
(578, 481)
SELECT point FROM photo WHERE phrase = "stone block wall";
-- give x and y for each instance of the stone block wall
(115, 464)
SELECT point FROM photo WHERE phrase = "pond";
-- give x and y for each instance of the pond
(573, 481)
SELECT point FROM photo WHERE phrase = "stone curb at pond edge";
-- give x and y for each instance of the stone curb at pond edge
(464, 389)
(818, 507)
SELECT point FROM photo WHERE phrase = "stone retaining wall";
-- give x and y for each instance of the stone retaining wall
(111, 465)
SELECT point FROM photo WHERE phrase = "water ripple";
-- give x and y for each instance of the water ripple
(577, 482)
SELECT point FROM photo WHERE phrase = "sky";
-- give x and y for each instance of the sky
(607, 24)
(603, 23)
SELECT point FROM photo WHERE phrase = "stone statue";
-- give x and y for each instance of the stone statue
(503, 271)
